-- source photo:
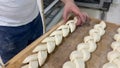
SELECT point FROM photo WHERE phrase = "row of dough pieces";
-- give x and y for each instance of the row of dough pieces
(82, 54)
(48, 45)
(114, 55)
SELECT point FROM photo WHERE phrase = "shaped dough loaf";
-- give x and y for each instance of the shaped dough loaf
(69, 64)
(110, 65)
(42, 56)
(30, 58)
(33, 64)
(117, 37)
(113, 55)
(82, 55)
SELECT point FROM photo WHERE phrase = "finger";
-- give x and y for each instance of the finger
(65, 15)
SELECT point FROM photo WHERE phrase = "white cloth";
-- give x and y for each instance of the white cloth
(17, 12)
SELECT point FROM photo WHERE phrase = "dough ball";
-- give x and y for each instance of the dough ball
(69, 64)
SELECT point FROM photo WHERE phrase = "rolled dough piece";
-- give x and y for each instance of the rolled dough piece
(40, 47)
(42, 56)
(47, 39)
(33, 64)
(50, 47)
(30, 58)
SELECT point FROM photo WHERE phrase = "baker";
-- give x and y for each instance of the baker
(20, 24)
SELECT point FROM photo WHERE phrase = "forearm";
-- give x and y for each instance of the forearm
(66, 1)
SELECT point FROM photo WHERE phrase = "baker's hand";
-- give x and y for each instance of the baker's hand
(70, 7)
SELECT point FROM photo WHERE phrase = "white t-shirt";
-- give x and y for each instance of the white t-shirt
(17, 12)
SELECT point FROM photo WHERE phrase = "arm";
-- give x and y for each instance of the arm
(70, 7)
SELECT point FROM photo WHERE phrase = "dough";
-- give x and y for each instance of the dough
(72, 25)
(30, 58)
(56, 32)
(40, 47)
(118, 30)
(101, 31)
(96, 38)
(117, 37)
(47, 39)
(82, 55)
(42, 56)
(79, 63)
(110, 65)
(115, 45)
(102, 25)
(69, 64)
(58, 39)
(25, 66)
(88, 39)
(91, 46)
(58, 36)
(50, 47)
(82, 46)
(117, 61)
(65, 30)
(93, 32)
(33, 64)
(75, 20)
(113, 55)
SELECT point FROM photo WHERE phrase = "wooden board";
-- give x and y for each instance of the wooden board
(62, 52)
